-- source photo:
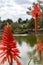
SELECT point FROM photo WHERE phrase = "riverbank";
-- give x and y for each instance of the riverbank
(24, 33)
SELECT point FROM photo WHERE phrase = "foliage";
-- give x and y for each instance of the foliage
(22, 27)
(40, 3)
(31, 24)
(41, 23)
(33, 55)
(19, 20)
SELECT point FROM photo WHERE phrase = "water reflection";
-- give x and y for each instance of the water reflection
(26, 45)
(29, 39)
(25, 49)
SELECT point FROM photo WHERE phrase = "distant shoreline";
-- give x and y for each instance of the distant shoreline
(23, 33)
(29, 32)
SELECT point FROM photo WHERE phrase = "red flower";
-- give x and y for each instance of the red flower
(39, 49)
(8, 47)
(36, 13)
(39, 46)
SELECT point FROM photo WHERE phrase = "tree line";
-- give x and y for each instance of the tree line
(21, 26)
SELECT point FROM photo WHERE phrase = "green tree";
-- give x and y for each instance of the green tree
(19, 20)
(9, 21)
(41, 23)
(31, 24)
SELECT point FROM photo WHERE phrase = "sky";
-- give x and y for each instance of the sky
(14, 9)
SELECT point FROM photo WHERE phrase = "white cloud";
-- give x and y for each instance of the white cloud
(12, 9)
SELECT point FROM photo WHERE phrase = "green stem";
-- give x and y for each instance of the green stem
(29, 61)
(40, 56)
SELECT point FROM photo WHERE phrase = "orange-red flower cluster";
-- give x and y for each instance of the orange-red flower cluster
(8, 47)
(36, 13)
(39, 46)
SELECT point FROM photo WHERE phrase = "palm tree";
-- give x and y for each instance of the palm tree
(8, 47)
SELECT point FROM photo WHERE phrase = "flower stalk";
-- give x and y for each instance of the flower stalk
(36, 13)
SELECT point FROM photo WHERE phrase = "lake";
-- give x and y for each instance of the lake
(26, 44)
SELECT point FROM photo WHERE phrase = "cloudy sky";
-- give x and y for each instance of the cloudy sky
(14, 9)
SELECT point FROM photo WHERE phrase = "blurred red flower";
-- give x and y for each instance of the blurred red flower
(39, 46)
(39, 49)
(36, 13)
(8, 47)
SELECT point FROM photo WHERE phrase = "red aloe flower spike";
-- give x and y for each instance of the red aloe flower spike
(39, 46)
(36, 13)
(8, 47)
(39, 49)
